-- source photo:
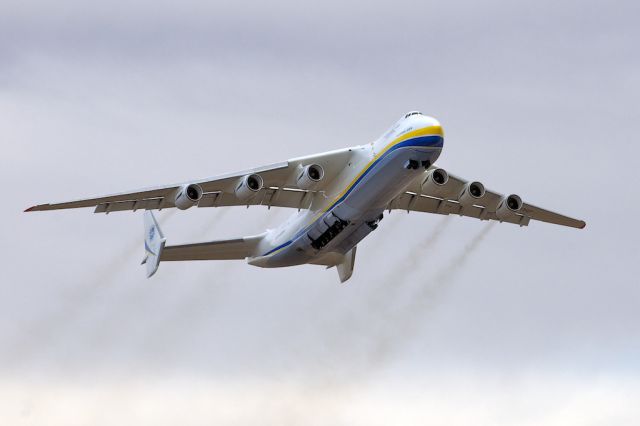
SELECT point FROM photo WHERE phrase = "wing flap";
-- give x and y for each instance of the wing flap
(118, 206)
(273, 196)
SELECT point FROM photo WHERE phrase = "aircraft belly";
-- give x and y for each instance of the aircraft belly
(360, 231)
(346, 224)
(376, 190)
(303, 250)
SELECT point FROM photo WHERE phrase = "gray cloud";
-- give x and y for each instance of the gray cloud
(538, 99)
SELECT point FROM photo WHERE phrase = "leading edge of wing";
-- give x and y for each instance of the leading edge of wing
(151, 192)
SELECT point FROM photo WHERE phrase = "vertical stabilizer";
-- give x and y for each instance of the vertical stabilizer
(345, 269)
(154, 242)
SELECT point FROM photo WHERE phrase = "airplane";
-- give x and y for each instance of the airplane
(340, 197)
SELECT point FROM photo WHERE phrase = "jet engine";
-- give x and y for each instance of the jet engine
(248, 186)
(471, 194)
(508, 206)
(188, 196)
(309, 176)
(435, 182)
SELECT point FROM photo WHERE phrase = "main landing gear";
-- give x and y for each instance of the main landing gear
(374, 223)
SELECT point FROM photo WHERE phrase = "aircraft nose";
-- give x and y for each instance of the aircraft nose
(433, 123)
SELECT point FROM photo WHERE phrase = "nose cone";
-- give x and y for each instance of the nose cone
(413, 127)
(431, 122)
(417, 120)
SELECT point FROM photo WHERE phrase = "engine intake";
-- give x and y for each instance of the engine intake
(188, 196)
(309, 176)
(508, 206)
(435, 182)
(248, 186)
(471, 194)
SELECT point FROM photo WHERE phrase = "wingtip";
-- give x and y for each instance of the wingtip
(583, 224)
(30, 209)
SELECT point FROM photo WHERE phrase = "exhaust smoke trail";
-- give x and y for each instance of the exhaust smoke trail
(382, 295)
(369, 335)
(46, 328)
(420, 253)
(199, 296)
(359, 342)
(152, 332)
(349, 334)
(203, 295)
(135, 297)
(405, 322)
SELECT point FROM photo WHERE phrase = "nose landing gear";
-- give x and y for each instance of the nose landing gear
(411, 164)
(414, 164)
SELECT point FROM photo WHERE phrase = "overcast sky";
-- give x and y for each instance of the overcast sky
(445, 321)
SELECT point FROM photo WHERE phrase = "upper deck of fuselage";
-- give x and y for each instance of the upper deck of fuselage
(412, 129)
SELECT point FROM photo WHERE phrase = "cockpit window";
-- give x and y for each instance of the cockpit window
(409, 114)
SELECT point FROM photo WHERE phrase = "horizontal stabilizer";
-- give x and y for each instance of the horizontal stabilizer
(238, 248)
(154, 242)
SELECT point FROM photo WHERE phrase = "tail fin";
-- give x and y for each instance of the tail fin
(345, 268)
(154, 242)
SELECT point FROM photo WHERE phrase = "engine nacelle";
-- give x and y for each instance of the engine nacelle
(508, 206)
(471, 194)
(309, 176)
(188, 196)
(435, 182)
(249, 186)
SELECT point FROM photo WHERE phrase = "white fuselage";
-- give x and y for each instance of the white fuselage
(351, 206)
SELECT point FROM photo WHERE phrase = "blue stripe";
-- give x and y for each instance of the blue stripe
(148, 249)
(279, 247)
(433, 141)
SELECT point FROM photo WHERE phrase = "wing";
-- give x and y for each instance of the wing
(452, 197)
(280, 187)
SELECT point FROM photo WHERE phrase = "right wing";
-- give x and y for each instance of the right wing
(447, 200)
(280, 188)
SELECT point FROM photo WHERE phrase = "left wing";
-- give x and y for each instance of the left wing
(280, 186)
(448, 194)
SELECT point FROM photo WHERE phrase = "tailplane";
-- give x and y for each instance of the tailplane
(154, 242)
(154, 246)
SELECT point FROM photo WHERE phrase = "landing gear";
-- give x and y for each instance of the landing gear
(374, 223)
(411, 164)
(329, 234)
